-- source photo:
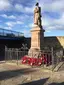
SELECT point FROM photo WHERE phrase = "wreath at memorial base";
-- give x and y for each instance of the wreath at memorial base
(34, 61)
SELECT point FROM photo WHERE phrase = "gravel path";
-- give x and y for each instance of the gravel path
(25, 75)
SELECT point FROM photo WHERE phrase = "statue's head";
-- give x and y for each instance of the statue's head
(37, 4)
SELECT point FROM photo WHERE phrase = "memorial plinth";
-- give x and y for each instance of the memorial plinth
(37, 37)
(37, 41)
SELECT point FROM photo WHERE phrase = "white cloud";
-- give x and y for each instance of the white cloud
(60, 21)
(9, 28)
(5, 5)
(9, 17)
(19, 18)
(54, 6)
(54, 24)
(29, 9)
(24, 9)
(19, 22)
(12, 17)
(12, 24)
(58, 5)
(4, 15)
(6, 27)
(19, 7)
(48, 31)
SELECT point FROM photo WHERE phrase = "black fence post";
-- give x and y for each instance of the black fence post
(52, 53)
(17, 57)
(5, 53)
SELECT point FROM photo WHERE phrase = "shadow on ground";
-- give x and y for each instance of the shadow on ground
(38, 82)
(15, 73)
(42, 82)
(57, 83)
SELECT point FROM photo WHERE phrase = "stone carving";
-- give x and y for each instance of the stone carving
(37, 15)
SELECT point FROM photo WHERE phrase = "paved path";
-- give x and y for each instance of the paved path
(61, 68)
(25, 75)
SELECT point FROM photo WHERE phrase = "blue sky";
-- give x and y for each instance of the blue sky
(18, 15)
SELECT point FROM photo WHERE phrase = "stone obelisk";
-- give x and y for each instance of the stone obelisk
(37, 37)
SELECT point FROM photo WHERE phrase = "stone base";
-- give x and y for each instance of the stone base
(37, 41)
(34, 53)
(37, 38)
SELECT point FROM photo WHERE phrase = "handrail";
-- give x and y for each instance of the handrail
(10, 33)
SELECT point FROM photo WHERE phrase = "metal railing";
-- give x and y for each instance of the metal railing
(15, 55)
(10, 33)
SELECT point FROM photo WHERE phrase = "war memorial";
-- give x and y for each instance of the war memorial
(42, 52)
(37, 60)
(37, 50)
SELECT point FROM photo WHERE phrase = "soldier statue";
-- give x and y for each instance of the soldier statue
(37, 15)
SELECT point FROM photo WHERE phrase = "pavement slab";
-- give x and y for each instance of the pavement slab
(11, 74)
